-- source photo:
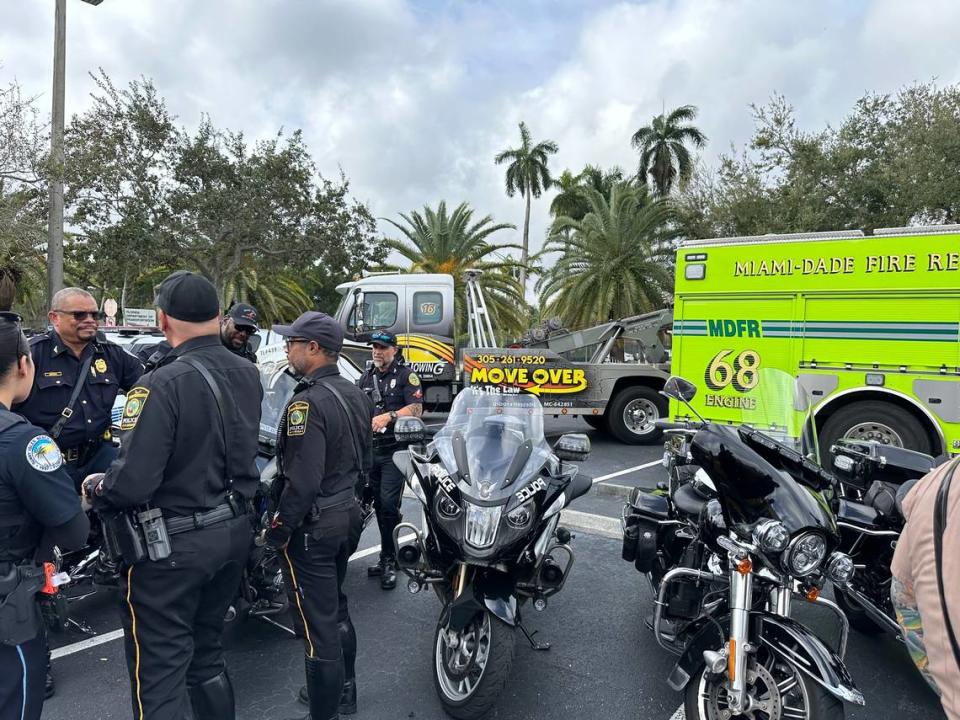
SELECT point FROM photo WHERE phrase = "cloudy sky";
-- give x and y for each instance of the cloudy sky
(413, 98)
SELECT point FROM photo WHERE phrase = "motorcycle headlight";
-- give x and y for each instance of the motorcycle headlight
(446, 507)
(481, 524)
(840, 568)
(520, 517)
(804, 554)
(771, 536)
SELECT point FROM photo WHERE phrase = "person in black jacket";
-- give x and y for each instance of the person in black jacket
(239, 324)
(39, 508)
(323, 453)
(190, 451)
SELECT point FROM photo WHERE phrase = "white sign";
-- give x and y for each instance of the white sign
(140, 316)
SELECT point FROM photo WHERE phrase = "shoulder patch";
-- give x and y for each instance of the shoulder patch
(136, 399)
(43, 454)
(297, 415)
(413, 379)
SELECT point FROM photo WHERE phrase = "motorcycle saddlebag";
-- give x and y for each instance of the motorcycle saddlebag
(641, 518)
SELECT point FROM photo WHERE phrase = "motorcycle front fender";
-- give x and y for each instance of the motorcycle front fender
(491, 591)
(790, 641)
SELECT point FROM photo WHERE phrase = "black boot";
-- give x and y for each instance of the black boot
(376, 570)
(348, 645)
(388, 581)
(324, 685)
(213, 698)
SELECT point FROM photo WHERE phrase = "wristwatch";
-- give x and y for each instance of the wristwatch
(393, 415)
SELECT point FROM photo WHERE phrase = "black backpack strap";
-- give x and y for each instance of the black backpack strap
(939, 526)
(218, 396)
(357, 449)
(67, 412)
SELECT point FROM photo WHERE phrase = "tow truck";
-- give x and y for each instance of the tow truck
(609, 374)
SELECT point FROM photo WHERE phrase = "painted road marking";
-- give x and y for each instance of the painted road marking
(610, 476)
(117, 634)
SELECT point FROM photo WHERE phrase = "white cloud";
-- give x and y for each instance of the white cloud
(413, 99)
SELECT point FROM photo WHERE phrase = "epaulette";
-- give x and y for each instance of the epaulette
(37, 339)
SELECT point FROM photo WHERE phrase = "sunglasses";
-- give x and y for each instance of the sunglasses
(81, 315)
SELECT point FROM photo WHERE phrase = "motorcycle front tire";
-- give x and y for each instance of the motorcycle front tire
(496, 671)
(821, 704)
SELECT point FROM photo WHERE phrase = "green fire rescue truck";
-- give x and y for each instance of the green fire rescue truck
(868, 325)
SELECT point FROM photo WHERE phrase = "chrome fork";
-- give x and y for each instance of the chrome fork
(741, 587)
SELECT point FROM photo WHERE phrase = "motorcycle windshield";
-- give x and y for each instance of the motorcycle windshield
(493, 441)
(782, 408)
(278, 388)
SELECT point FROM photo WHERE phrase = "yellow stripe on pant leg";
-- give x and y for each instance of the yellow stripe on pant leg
(296, 593)
(136, 641)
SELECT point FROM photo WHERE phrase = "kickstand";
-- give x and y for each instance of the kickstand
(542, 647)
(81, 626)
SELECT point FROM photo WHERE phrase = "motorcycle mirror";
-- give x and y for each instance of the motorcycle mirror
(676, 388)
(409, 429)
(404, 463)
(573, 446)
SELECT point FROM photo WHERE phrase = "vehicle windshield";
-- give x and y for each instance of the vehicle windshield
(782, 407)
(277, 389)
(500, 437)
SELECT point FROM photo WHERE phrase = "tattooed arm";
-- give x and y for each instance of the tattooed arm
(908, 616)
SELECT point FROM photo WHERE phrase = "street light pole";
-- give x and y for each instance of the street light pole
(55, 223)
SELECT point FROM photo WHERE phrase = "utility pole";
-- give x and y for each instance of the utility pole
(55, 223)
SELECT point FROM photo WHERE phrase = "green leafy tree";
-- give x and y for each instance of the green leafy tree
(617, 261)
(527, 174)
(438, 241)
(664, 155)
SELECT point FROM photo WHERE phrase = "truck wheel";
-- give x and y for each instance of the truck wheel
(597, 422)
(631, 414)
(884, 422)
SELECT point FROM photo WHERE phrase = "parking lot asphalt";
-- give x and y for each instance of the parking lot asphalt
(603, 663)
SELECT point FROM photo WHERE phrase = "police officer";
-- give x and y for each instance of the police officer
(395, 390)
(236, 329)
(323, 451)
(39, 508)
(77, 380)
(191, 453)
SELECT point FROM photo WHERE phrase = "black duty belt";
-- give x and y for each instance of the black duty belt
(329, 502)
(81, 453)
(177, 524)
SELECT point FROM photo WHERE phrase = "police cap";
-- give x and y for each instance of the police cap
(316, 326)
(189, 297)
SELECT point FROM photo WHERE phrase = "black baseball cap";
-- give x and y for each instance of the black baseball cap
(316, 326)
(382, 337)
(188, 296)
(244, 315)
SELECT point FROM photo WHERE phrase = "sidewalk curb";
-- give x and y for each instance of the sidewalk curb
(605, 488)
(607, 527)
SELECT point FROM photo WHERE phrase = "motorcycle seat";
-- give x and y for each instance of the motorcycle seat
(689, 500)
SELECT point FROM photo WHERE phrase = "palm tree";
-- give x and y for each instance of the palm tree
(527, 174)
(440, 242)
(22, 247)
(568, 202)
(277, 296)
(617, 261)
(663, 148)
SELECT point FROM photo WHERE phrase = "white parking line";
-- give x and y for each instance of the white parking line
(117, 634)
(680, 714)
(625, 472)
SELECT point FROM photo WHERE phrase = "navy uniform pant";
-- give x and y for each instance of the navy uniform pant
(173, 612)
(315, 566)
(387, 483)
(23, 670)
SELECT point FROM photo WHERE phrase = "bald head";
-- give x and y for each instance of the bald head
(62, 298)
(74, 315)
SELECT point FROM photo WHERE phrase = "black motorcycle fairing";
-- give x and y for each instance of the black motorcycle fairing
(751, 489)
(793, 643)
(491, 590)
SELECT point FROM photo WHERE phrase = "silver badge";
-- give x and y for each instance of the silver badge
(393, 383)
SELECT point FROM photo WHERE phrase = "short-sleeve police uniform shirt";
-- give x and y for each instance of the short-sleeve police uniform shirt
(112, 370)
(399, 386)
(34, 485)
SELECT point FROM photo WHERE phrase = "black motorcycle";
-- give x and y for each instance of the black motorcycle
(873, 479)
(742, 530)
(491, 491)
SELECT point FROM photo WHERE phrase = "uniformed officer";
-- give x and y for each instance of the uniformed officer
(395, 390)
(77, 380)
(236, 329)
(323, 451)
(39, 508)
(191, 453)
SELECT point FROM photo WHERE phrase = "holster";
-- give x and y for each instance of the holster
(20, 615)
(122, 539)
